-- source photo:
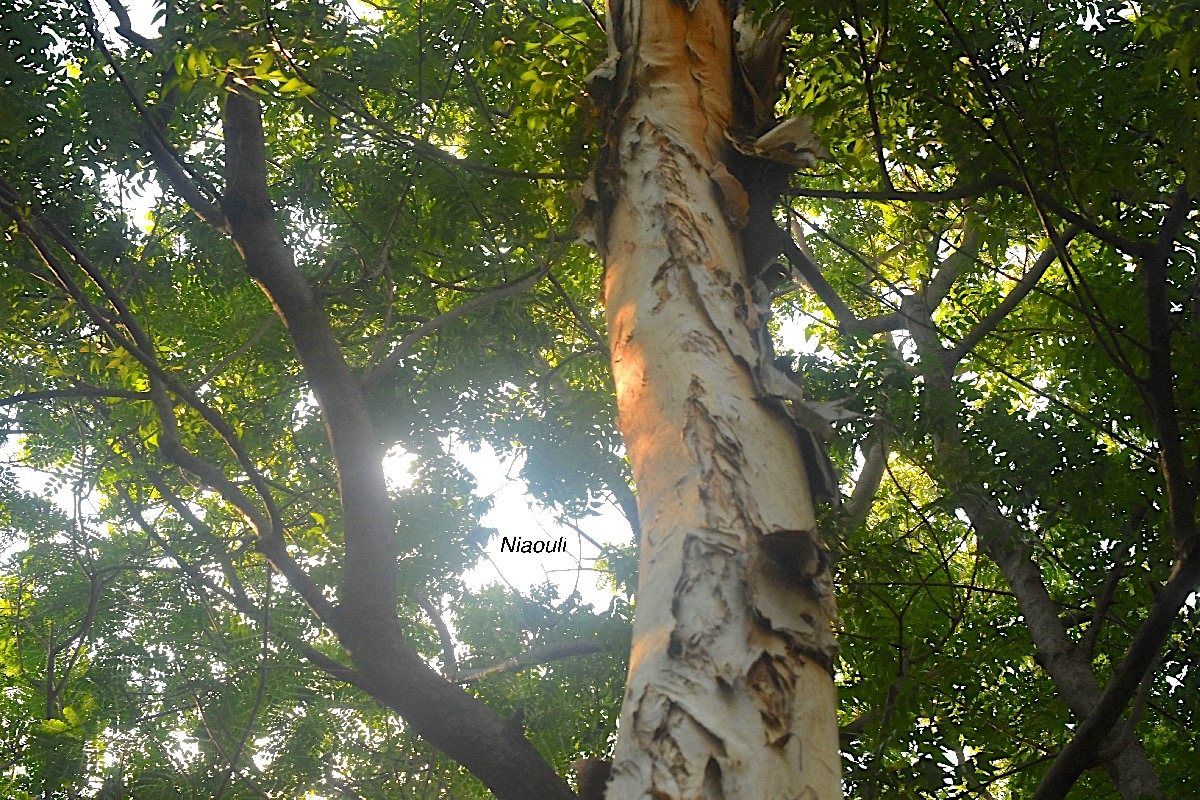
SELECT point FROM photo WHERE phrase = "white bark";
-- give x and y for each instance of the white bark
(730, 693)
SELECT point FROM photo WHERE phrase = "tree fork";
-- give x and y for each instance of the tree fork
(730, 690)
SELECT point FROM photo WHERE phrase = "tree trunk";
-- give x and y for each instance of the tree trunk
(730, 690)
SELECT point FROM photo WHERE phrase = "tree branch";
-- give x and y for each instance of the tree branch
(1104, 599)
(76, 391)
(1081, 752)
(1160, 382)
(238, 599)
(988, 184)
(392, 359)
(538, 655)
(1064, 662)
(125, 28)
(165, 156)
(875, 456)
(953, 266)
(585, 324)
(187, 515)
(868, 87)
(449, 661)
(895, 195)
(127, 334)
(848, 322)
(1010, 301)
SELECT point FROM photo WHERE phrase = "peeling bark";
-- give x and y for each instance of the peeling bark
(730, 691)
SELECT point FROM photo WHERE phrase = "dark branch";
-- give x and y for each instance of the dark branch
(1104, 599)
(896, 195)
(165, 156)
(125, 28)
(1081, 753)
(389, 668)
(1160, 382)
(449, 661)
(868, 87)
(1018, 293)
(392, 359)
(538, 655)
(848, 322)
(76, 391)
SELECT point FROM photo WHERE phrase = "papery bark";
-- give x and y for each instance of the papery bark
(730, 691)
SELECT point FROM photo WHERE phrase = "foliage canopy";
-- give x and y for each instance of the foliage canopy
(997, 267)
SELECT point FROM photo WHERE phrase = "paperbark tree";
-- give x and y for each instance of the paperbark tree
(730, 691)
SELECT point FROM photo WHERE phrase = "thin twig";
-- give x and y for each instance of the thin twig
(538, 655)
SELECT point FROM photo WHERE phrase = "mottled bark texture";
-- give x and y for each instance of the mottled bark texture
(730, 691)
